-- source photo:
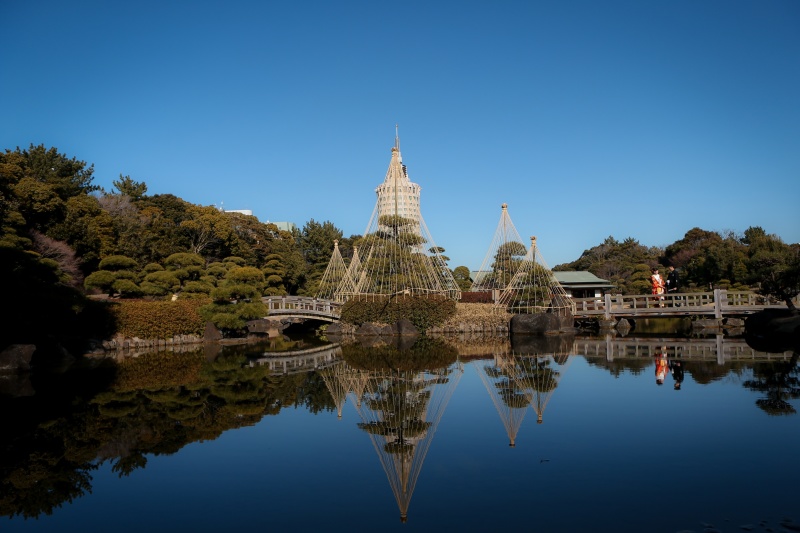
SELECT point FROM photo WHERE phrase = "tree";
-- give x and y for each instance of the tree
(462, 276)
(316, 245)
(127, 187)
(774, 266)
(206, 226)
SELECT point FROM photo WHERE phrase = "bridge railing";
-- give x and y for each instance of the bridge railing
(716, 303)
(302, 305)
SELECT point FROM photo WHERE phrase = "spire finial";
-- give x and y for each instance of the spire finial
(397, 137)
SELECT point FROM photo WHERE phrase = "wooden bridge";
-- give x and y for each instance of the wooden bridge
(302, 307)
(717, 304)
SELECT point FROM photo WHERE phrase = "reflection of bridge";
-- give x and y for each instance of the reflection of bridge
(298, 361)
(718, 304)
(302, 307)
(717, 348)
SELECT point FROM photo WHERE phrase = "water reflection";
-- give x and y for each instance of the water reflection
(123, 412)
(518, 382)
(400, 394)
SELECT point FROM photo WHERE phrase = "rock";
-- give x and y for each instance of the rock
(733, 323)
(212, 334)
(707, 323)
(406, 328)
(16, 358)
(368, 328)
(541, 324)
(334, 328)
(607, 323)
(16, 385)
(624, 327)
(773, 330)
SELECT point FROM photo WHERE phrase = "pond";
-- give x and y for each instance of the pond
(574, 434)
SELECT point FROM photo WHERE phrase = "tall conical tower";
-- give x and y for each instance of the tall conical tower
(397, 195)
(398, 255)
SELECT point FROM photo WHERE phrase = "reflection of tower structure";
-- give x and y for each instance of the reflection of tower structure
(401, 411)
(515, 382)
(511, 402)
(335, 381)
(538, 376)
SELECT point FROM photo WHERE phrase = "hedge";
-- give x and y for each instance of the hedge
(422, 311)
(148, 319)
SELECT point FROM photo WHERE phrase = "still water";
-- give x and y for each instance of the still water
(588, 434)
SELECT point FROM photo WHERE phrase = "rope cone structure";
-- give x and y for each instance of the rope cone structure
(336, 275)
(336, 385)
(503, 257)
(398, 255)
(537, 377)
(511, 403)
(534, 288)
(401, 411)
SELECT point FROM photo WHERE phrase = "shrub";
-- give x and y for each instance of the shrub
(422, 311)
(159, 319)
(483, 297)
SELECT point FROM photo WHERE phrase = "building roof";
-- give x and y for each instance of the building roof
(581, 278)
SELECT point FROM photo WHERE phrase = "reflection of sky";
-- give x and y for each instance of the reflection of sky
(619, 454)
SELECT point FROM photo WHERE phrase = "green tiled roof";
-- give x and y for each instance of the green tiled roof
(581, 277)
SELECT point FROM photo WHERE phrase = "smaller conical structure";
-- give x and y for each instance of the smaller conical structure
(510, 401)
(503, 257)
(534, 288)
(335, 277)
(337, 386)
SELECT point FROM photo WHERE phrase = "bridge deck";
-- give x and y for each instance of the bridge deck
(718, 304)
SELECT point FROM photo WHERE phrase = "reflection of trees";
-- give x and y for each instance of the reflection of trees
(151, 405)
(405, 393)
(515, 382)
(780, 381)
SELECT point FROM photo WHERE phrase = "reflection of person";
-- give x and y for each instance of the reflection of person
(676, 367)
(661, 367)
(657, 284)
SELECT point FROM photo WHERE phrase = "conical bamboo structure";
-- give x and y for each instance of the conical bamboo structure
(401, 411)
(336, 276)
(534, 288)
(398, 255)
(503, 257)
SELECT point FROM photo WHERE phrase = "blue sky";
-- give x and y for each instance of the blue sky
(589, 118)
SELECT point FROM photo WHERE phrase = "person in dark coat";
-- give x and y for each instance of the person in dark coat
(672, 285)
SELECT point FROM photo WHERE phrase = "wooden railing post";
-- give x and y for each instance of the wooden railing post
(720, 300)
(607, 306)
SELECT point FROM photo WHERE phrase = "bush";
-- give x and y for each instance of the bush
(477, 297)
(158, 319)
(422, 311)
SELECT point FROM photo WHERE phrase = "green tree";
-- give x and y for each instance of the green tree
(462, 276)
(774, 266)
(127, 187)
